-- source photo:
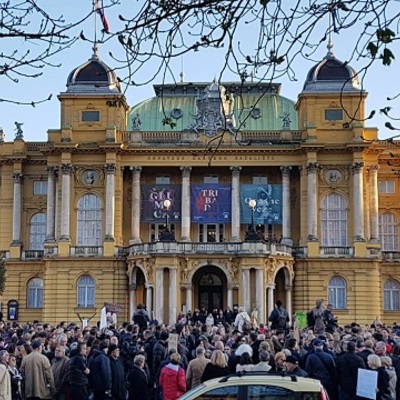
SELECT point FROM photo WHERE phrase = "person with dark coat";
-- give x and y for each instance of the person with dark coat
(279, 317)
(292, 366)
(347, 366)
(118, 389)
(160, 352)
(141, 317)
(383, 390)
(100, 373)
(137, 380)
(321, 365)
(77, 373)
(217, 367)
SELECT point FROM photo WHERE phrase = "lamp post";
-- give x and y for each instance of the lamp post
(166, 235)
(251, 234)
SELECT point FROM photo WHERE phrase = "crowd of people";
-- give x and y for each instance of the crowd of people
(137, 360)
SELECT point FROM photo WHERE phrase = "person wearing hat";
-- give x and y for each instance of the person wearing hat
(292, 366)
(100, 372)
(39, 379)
(118, 389)
(321, 365)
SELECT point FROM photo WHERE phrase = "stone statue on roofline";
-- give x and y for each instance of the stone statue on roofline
(19, 132)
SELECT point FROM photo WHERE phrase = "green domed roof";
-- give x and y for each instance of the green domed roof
(252, 107)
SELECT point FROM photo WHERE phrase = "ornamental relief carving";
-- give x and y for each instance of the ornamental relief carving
(89, 177)
(186, 265)
(233, 265)
(333, 176)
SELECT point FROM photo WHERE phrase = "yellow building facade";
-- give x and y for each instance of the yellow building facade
(204, 196)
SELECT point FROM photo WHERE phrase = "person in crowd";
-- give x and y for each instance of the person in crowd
(196, 368)
(59, 365)
(318, 313)
(280, 362)
(160, 352)
(388, 365)
(383, 389)
(263, 364)
(5, 383)
(347, 366)
(279, 317)
(100, 372)
(172, 379)
(39, 379)
(16, 378)
(242, 320)
(217, 367)
(137, 380)
(118, 384)
(292, 366)
(245, 363)
(321, 365)
(76, 379)
(141, 317)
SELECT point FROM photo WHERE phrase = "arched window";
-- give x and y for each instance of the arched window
(391, 295)
(337, 292)
(334, 220)
(86, 291)
(37, 232)
(35, 293)
(389, 231)
(89, 221)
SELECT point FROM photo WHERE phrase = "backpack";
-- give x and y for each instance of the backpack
(281, 321)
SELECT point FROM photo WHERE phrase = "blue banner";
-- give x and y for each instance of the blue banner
(211, 203)
(153, 209)
(268, 209)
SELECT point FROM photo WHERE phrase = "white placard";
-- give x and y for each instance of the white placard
(367, 382)
(173, 341)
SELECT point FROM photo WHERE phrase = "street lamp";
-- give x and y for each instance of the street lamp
(166, 235)
(251, 234)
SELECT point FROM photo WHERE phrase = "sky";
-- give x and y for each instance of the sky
(202, 66)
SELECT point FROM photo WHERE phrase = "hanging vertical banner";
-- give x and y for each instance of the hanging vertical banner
(268, 209)
(153, 209)
(211, 202)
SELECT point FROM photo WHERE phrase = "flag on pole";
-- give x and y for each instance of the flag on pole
(100, 11)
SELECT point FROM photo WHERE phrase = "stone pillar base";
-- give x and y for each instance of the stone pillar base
(313, 249)
(109, 248)
(15, 250)
(64, 248)
(360, 249)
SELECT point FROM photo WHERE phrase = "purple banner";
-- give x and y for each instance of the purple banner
(153, 208)
(211, 203)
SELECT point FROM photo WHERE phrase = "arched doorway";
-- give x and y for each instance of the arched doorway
(210, 287)
(280, 289)
(140, 280)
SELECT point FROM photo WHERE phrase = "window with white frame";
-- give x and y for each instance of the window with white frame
(37, 231)
(89, 221)
(40, 187)
(86, 291)
(209, 233)
(337, 292)
(163, 179)
(156, 230)
(387, 187)
(334, 220)
(389, 231)
(210, 178)
(260, 180)
(391, 295)
(35, 293)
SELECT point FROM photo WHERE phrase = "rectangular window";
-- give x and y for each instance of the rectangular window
(260, 180)
(386, 187)
(334, 114)
(209, 233)
(90, 116)
(163, 179)
(40, 187)
(156, 230)
(210, 178)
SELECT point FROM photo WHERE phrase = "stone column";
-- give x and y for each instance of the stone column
(149, 299)
(286, 216)
(159, 292)
(110, 200)
(312, 209)
(235, 219)
(229, 299)
(66, 170)
(132, 300)
(172, 295)
(246, 290)
(358, 201)
(135, 205)
(51, 205)
(260, 290)
(185, 213)
(271, 304)
(374, 204)
(17, 209)
(189, 294)
(289, 302)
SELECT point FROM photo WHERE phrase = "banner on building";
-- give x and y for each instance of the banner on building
(268, 209)
(211, 203)
(153, 208)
